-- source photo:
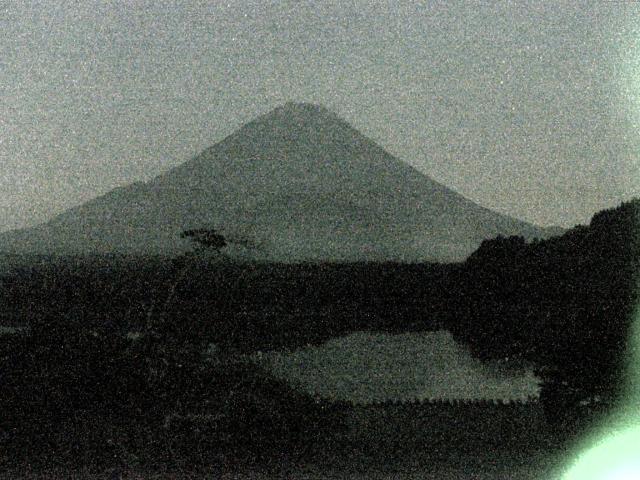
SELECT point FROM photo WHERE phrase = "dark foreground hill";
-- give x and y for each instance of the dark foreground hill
(299, 183)
(568, 304)
(77, 391)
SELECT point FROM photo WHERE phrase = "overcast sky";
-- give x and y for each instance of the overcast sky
(529, 108)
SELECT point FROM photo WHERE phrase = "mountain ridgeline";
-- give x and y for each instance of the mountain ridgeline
(299, 183)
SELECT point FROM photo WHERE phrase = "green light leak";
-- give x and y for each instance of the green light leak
(615, 458)
(614, 455)
(614, 449)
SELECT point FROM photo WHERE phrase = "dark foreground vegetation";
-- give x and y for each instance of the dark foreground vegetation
(76, 389)
(565, 304)
(241, 307)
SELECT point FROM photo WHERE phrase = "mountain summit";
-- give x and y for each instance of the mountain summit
(299, 182)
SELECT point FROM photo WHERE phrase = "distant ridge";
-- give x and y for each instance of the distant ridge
(300, 183)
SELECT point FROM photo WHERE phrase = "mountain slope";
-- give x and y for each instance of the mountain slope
(301, 183)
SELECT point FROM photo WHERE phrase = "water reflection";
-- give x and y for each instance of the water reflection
(368, 367)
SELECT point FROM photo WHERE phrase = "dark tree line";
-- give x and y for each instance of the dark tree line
(566, 304)
(74, 384)
(78, 392)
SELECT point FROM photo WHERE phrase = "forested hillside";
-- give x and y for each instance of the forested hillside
(566, 304)
(78, 386)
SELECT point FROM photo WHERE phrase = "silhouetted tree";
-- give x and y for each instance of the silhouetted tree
(173, 348)
(498, 250)
(206, 238)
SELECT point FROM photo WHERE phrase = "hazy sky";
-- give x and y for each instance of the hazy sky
(529, 108)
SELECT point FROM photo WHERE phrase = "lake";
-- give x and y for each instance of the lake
(367, 367)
